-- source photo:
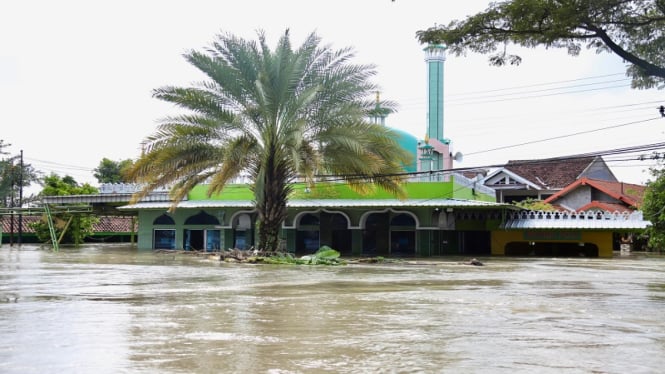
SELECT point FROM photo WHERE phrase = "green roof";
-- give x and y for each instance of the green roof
(415, 190)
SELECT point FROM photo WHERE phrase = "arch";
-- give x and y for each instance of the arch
(403, 220)
(298, 216)
(242, 221)
(338, 221)
(308, 219)
(366, 215)
(164, 219)
(201, 218)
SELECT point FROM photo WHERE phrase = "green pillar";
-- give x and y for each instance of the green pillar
(435, 56)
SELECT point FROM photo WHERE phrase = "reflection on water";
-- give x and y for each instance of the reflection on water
(109, 309)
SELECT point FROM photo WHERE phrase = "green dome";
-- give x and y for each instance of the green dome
(410, 144)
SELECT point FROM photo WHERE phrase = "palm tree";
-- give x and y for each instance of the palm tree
(278, 116)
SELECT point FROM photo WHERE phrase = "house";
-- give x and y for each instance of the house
(603, 197)
(539, 179)
(586, 194)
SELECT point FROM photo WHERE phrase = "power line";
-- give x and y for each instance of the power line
(540, 96)
(544, 90)
(540, 84)
(456, 96)
(562, 136)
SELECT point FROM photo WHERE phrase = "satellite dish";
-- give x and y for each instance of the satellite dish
(458, 157)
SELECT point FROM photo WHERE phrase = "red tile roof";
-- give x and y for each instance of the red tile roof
(607, 207)
(25, 220)
(105, 224)
(630, 194)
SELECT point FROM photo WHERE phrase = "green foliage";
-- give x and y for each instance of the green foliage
(324, 256)
(54, 185)
(633, 30)
(109, 171)
(77, 226)
(276, 116)
(653, 209)
(534, 204)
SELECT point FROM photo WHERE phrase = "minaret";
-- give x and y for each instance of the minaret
(378, 114)
(425, 160)
(435, 56)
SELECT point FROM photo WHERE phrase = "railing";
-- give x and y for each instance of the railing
(125, 188)
(588, 215)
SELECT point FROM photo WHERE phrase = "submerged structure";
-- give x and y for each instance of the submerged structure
(445, 213)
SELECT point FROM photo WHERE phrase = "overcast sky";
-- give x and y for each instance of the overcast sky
(76, 79)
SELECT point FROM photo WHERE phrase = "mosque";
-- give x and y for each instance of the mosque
(445, 213)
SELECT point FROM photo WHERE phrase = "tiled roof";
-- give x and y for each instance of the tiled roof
(105, 224)
(25, 220)
(115, 224)
(550, 173)
(630, 194)
(608, 207)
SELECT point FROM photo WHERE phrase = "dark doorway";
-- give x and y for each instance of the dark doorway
(551, 249)
(335, 233)
(375, 235)
(403, 243)
(476, 243)
(193, 240)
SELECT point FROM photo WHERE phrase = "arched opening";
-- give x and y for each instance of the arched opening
(203, 238)
(334, 232)
(163, 237)
(202, 218)
(375, 235)
(243, 237)
(307, 234)
(402, 235)
(164, 219)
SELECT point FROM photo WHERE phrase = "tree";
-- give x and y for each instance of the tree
(5, 182)
(278, 116)
(653, 209)
(534, 204)
(76, 226)
(110, 171)
(633, 30)
(54, 185)
(14, 176)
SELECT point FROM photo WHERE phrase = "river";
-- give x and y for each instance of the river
(113, 309)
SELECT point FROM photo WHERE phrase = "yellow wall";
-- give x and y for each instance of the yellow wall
(602, 239)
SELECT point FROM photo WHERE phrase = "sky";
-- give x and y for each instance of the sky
(76, 79)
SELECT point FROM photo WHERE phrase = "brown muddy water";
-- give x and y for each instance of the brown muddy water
(113, 309)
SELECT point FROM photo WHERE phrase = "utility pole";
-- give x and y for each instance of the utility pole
(20, 201)
(11, 203)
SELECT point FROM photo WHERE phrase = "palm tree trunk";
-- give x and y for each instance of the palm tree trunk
(272, 207)
(270, 224)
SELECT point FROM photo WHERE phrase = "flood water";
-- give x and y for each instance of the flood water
(113, 309)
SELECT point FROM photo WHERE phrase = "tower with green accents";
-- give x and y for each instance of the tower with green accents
(436, 147)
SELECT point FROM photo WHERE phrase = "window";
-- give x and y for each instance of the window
(164, 239)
